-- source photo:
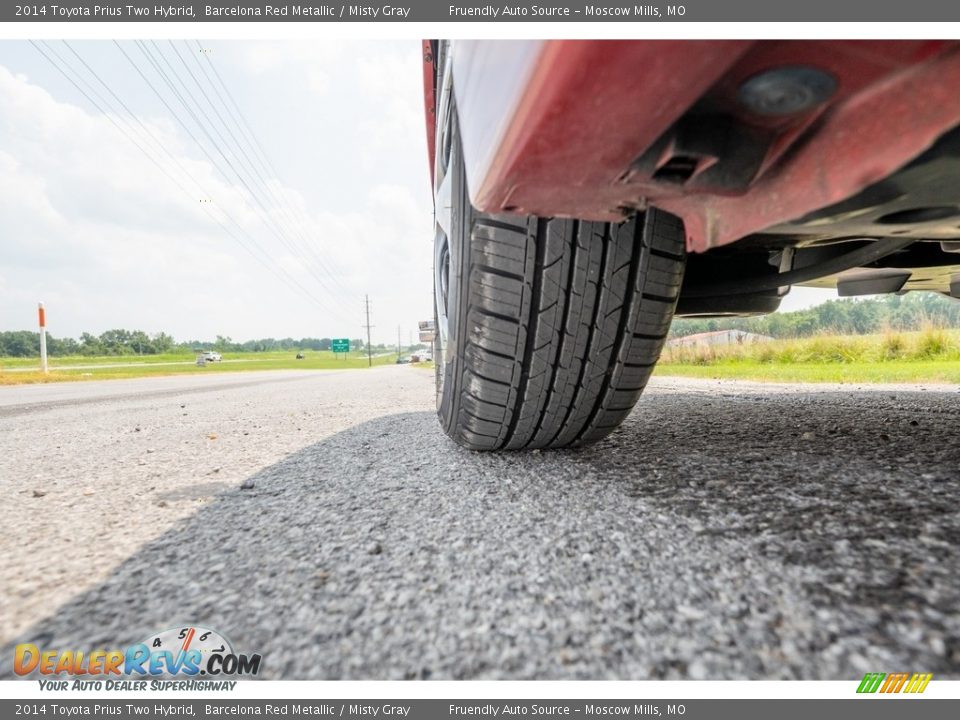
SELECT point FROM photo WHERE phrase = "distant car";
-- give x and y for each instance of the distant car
(586, 192)
(405, 360)
(211, 356)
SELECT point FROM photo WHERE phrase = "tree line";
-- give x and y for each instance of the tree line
(26, 343)
(842, 317)
(912, 311)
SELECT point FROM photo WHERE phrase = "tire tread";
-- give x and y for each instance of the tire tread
(566, 320)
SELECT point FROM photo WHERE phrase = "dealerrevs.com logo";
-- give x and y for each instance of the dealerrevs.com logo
(184, 652)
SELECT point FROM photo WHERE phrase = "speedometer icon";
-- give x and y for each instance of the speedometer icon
(180, 640)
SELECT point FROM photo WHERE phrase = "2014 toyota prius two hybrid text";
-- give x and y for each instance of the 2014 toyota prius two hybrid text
(587, 192)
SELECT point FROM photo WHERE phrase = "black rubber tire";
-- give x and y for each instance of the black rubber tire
(554, 325)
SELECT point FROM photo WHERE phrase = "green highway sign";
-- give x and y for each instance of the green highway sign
(340, 345)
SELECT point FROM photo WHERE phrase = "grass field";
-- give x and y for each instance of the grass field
(927, 356)
(17, 371)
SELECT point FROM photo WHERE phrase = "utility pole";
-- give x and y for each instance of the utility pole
(43, 338)
(398, 342)
(366, 302)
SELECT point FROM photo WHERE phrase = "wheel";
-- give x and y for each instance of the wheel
(547, 329)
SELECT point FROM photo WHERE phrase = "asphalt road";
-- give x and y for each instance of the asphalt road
(729, 530)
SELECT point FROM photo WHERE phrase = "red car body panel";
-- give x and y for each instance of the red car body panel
(430, 100)
(568, 142)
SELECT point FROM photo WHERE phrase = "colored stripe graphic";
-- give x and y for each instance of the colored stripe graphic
(870, 682)
(894, 682)
(918, 683)
(890, 683)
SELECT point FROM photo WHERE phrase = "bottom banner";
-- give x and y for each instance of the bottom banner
(875, 709)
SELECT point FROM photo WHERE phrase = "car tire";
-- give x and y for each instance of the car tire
(548, 329)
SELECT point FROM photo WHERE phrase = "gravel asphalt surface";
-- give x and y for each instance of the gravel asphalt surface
(728, 530)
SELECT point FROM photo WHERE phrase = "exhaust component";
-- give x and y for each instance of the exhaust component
(855, 258)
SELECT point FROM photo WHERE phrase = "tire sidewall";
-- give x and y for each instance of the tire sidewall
(448, 391)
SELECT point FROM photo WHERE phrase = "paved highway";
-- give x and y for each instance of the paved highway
(729, 530)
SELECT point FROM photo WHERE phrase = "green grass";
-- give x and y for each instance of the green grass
(897, 371)
(106, 368)
(928, 356)
(32, 362)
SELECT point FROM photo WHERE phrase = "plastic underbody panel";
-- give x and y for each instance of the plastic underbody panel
(920, 201)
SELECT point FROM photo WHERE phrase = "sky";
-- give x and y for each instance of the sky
(264, 194)
(325, 200)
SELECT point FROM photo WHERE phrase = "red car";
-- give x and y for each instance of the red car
(587, 192)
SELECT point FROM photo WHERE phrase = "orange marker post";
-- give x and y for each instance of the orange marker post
(43, 339)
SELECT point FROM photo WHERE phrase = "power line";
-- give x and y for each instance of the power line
(99, 106)
(264, 212)
(247, 131)
(179, 120)
(256, 174)
(216, 165)
(146, 130)
(282, 203)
